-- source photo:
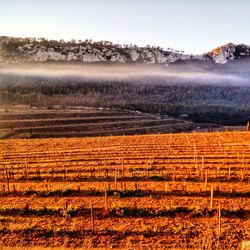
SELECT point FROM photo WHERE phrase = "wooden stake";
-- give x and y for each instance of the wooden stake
(92, 218)
(106, 196)
(26, 169)
(196, 166)
(12, 172)
(185, 186)
(48, 187)
(123, 168)
(167, 187)
(242, 171)
(174, 174)
(202, 168)
(52, 173)
(7, 181)
(171, 204)
(66, 205)
(27, 206)
(229, 173)
(211, 198)
(116, 178)
(38, 172)
(78, 173)
(186, 177)
(98, 171)
(219, 215)
(248, 126)
(206, 180)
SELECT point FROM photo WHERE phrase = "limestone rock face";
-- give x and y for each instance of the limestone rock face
(14, 50)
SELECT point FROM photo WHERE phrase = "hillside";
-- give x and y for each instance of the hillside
(209, 88)
(16, 50)
(41, 50)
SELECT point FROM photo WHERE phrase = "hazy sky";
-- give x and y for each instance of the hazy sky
(194, 26)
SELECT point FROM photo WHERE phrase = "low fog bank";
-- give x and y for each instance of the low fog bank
(204, 92)
(189, 73)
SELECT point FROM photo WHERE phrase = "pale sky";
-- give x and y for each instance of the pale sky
(195, 26)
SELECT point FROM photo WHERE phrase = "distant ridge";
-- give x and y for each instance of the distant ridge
(19, 50)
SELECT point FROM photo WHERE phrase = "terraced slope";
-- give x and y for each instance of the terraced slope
(74, 123)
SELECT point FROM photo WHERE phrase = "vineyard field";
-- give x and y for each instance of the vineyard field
(178, 191)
